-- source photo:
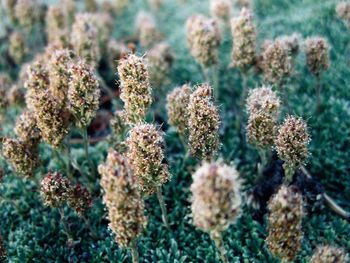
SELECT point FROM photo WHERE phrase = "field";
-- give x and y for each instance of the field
(33, 232)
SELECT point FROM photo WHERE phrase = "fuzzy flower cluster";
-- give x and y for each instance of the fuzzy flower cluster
(59, 75)
(159, 61)
(146, 155)
(177, 103)
(291, 43)
(17, 47)
(22, 158)
(122, 198)
(343, 12)
(317, 49)
(276, 63)
(57, 190)
(116, 50)
(292, 142)
(329, 254)
(216, 198)
(203, 123)
(135, 87)
(56, 25)
(84, 39)
(27, 13)
(27, 130)
(286, 214)
(147, 30)
(221, 9)
(244, 45)
(263, 99)
(203, 38)
(83, 93)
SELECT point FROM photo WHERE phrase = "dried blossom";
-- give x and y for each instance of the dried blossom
(122, 198)
(216, 198)
(5, 85)
(291, 43)
(263, 99)
(286, 214)
(146, 156)
(147, 30)
(244, 40)
(203, 38)
(135, 87)
(203, 123)
(317, 58)
(27, 130)
(57, 25)
(27, 13)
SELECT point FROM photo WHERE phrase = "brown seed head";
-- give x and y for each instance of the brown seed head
(317, 57)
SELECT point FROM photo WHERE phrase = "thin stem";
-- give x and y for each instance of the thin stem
(86, 149)
(134, 251)
(215, 79)
(163, 207)
(219, 243)
(63, 222)
(205, 74)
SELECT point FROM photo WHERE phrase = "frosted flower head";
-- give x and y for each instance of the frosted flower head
(22, 158)
(221, 9)
(244, 40)
(27, 130)
(203, 38)
(159, 60)
(177, 103)
(146, 156)
(83, 93)
(55, 189)
(203, 123)
(122, 198)
(216, 198)
(317, 54)
(276, 63)
(263, 99)
(147, 30)
(135, 87)
(17, 47)
(84, 39)
(292, 141)
(329, 254)
(286, 214)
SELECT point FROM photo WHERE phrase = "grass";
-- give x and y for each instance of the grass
(34, 233)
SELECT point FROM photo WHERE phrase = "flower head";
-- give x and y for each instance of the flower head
(221, 9)
(27, 130)
(286, 214)
(122, 198)
(216, 199)
(329, 254)
(263, 99)
(291, 43)
(147, 30)
(56, 25)
(203, 123)
(317, 58)
(146, 156)
(79, 199)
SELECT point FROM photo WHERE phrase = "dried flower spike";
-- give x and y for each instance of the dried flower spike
(317, 59)
(135, 88)
(286, 214)
(146, 157)
(221, 9)
(146, 29)
(22, 158)
(83, 93)
(263, 99)
(244, 45)
(27, 130)
(291, 43)
(122, 198)
(56, 25)
(159, 60)
(276, 63)
(329, 254)
(55, 189)
(292, 144)
(178, 114)
(203, 123)
(203, 38)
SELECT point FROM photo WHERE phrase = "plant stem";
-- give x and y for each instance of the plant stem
(215, 79)
(284, 90)
(163, 207)
(134, 251)
(239, 123)
(219, 243)
(63, 221)
(86, 149)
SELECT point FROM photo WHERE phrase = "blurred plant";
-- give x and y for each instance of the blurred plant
(216, 200)
(317, 60)
(123, 200)
(17, 47)
(116, 50)
(159, 60)
(22, 158)
(203, 38)
(85, 40)
(104, 24)
(146, 156)
(178, 114)
(147, 30)
(118, 126)
(284, 223)
(27, 130)
(221, 9)
(243, 3)
(5, 84)
(343, 12)
(56, 25)
(329, 254)
(80, 199)
(291, 43)
(91, 5)
(9, 6)
(203, 123)
(120, 5)
(292, 145)
(135, 88)
(156, 4)
(27, 13)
